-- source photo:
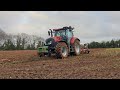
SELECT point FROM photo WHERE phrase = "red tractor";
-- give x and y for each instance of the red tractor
(61, 43)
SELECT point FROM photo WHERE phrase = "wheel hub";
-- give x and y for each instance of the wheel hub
(64, 51)
(77, 48)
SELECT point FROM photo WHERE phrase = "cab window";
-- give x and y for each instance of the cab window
(69, 33)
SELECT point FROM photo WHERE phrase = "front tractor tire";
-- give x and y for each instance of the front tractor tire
(61, 50)
(76, 47)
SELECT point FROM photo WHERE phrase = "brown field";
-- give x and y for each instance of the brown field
(99, 64)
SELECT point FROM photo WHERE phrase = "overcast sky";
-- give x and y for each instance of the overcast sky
(89, 25)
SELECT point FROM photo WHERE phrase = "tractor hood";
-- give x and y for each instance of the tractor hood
(52, 40)
(49, 41)
(57, 38)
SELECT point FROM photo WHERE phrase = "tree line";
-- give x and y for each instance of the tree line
(31, 42)
(20, 41)
(20, 45)
(105, 44)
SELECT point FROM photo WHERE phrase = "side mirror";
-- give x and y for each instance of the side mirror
(49, 33)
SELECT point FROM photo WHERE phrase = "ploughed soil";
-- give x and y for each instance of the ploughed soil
(26, 64)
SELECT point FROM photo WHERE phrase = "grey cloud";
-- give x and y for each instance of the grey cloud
(88, 25)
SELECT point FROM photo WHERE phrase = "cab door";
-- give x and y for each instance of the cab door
(69, 35)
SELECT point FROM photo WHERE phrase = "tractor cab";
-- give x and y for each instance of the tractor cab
(65, 32)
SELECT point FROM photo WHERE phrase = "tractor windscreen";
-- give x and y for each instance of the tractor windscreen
(59, 33)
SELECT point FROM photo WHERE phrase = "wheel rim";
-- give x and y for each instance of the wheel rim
(77, 48)
(64, 51)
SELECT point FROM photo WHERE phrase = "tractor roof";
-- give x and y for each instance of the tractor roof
(58, 29)
(64, 28)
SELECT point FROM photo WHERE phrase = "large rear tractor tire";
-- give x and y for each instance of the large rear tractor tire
(76, 47)
(61, 50)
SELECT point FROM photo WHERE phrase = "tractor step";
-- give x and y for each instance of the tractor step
(71, 49)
